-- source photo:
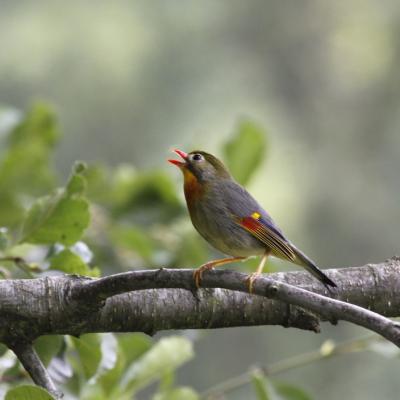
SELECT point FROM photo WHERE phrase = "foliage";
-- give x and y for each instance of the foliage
(60, 217)
(270, 390)
(245, 151)
(121, 217)
(28, 392)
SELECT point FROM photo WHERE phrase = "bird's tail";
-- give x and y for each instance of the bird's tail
(309, 265)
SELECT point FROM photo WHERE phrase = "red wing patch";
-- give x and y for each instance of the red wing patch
(266, 235)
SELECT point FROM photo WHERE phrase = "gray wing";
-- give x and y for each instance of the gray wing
(242, 204)
(248, 214)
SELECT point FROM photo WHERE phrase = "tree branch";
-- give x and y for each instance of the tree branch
(153, 300)
(327, 308)
(74, 305)
(34, 366)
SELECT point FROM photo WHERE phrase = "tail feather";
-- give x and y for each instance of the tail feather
(309, 265)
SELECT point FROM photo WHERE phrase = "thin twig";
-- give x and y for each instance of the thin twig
(332, 309)
(327, 350)
(20, 263)
(28, 357)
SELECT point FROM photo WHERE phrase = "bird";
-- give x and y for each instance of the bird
(227, 216)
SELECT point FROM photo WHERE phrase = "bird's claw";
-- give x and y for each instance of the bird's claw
(198, 273)
(250, 280)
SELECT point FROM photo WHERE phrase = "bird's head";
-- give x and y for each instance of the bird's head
(201, 166)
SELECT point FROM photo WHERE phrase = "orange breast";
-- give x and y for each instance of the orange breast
(192, 187)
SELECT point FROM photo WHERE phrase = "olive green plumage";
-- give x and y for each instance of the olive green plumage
(229, 218)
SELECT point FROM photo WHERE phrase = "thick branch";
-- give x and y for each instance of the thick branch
(330, 309)
(73, 305)
(154, 300)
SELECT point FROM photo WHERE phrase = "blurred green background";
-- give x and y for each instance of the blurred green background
(131, 80)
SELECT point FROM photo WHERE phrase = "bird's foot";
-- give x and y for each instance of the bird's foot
(198, 273)
(250, 280)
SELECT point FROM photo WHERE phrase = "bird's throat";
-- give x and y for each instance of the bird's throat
(192, 187)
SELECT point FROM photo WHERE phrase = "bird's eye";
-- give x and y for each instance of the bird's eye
(197, 157)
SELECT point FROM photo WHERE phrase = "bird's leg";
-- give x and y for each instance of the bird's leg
(198, 273)
(258, 272)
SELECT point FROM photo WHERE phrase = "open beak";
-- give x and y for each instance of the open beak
(179, 163)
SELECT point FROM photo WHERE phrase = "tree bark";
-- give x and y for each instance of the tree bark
(154, 300)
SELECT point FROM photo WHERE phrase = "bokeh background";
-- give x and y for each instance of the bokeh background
(131, 80)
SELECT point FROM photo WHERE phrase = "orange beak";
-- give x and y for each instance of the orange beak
(179, 163)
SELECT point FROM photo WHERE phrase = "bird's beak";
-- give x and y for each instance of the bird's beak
(178, 163)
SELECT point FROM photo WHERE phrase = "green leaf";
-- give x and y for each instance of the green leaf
(70, 263)
(28, 392)
(267, 390)
(133, 238)
(99, 184)
(47, 347)
(108, 361)
(4, 238)
(166, 382)
(154, 188)
(82, 250)
(167, 354)
(153, 194)
(261, 386)
(245, 151)
(192, 250)
(76, 185)
(102, 384)
(39, 124)
(109, 380)
(92, 392)
(61, 217)
(290, 392)
(89, 351)
(3, 349)
(11, 211)
(130, 347)
(180, 393)
(26, 165)
(134, 345)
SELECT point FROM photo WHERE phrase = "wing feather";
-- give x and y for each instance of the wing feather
(268, 235)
